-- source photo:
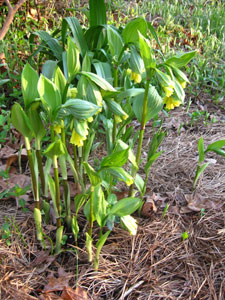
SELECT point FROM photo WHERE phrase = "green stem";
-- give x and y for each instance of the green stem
(57, 190)
(33, 177)
(41, 171)
(91, 211)
(141, 135)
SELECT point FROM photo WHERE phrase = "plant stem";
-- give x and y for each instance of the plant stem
(33, 177)
(41, 171)
(57, 191)
(91, 211)
(141, 135)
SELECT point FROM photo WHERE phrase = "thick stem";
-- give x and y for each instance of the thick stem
(33, 177)
(141, 135)
(91, 212)
(41, 171)
(57, 190)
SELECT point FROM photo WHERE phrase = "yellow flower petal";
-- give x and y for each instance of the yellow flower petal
(171, 103)
(137, 78)
(129, 71)
(118, 119)
(125, 116)
(76, 139)
(90, 119)
(183, 84)
(168, 90)
(57, 128)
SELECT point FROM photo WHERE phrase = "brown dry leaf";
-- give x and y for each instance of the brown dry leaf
(196, 202)
(57, 284)
(20, 179)
(6, 152)
(70, 294)
(149, 206)
(49, 296)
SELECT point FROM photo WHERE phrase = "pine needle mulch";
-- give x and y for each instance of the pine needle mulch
(155, 264)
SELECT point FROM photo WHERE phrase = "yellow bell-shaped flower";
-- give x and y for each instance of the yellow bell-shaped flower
(171, 103)
(76, 139)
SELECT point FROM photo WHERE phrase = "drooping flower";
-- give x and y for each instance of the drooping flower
(130, 224)
(57, 128)
(183, 84)
(76, 139)
(168, 90)
(171, 103)
(136, 77)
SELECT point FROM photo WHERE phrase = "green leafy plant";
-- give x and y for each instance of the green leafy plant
(216, 147)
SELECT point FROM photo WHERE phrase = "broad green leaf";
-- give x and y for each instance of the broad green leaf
(97, 12)
(120, 145)
(120, 174)
(154, 105)
(51, 185)
(52, 43)
(146, 54)
(88, 90)
(79, 109)
(3, 81)
(59, 235)
(219, 152)
(179, 91)
(55, 149)
(155, 143)
(74, 226)
(86, 64)
(92, 175)
(125, 206)
(79, 201)
(73, 59)
(115, 108)
(130, 32)
(99, 206)
(99, 81)
(36, 122)
(180, 60)
(103, 69)
(115, 42)
(20, 121)
(139, 182)
(49, 94)
(200, 170)
(130, 93)
(201, 150)
(48, 68)
(216, 145)
(136, 62)
(99, 246)
(96, 37)
(77, 32)
(59, 80)
(181, 76)
(116, 159)
(29, 82)
(89, 247)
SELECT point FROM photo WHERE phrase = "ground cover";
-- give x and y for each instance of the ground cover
(161, 261)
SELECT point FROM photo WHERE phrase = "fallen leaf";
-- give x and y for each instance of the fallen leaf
(57, 283)
(70, 294)
(49, 296)
(196, 202)
(149, 206)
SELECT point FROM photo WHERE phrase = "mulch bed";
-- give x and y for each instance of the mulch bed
(156, 263)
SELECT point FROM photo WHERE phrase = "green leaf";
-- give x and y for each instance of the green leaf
(29, 81)
(99, 246)
(99, 81)
(73, 60)
(136, 62)
(38, 225)
(99, 206)
(180, 60)
(146, 54)
(116, 159)
(154, 105)
(20, 121)
(115, 42)
(215, 146)
(103, 69)
(199, 172)
(120, 145)
(130, 93)
(79, 201)
(130, 32)
(97, 12)
(139, 182)
(86, 64)
(48, 68)
(77, 32)
(120, 174)
(55, 149)
(88, 90)
(49, 94)
(51, 185)
(92, 175)
(89, 246)
(115, 108)
(79, 109)
(59, 80)
(153, 32)
(125, 206)
(150, 161)
(36, 122)
(201, 150)
(52, 43)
